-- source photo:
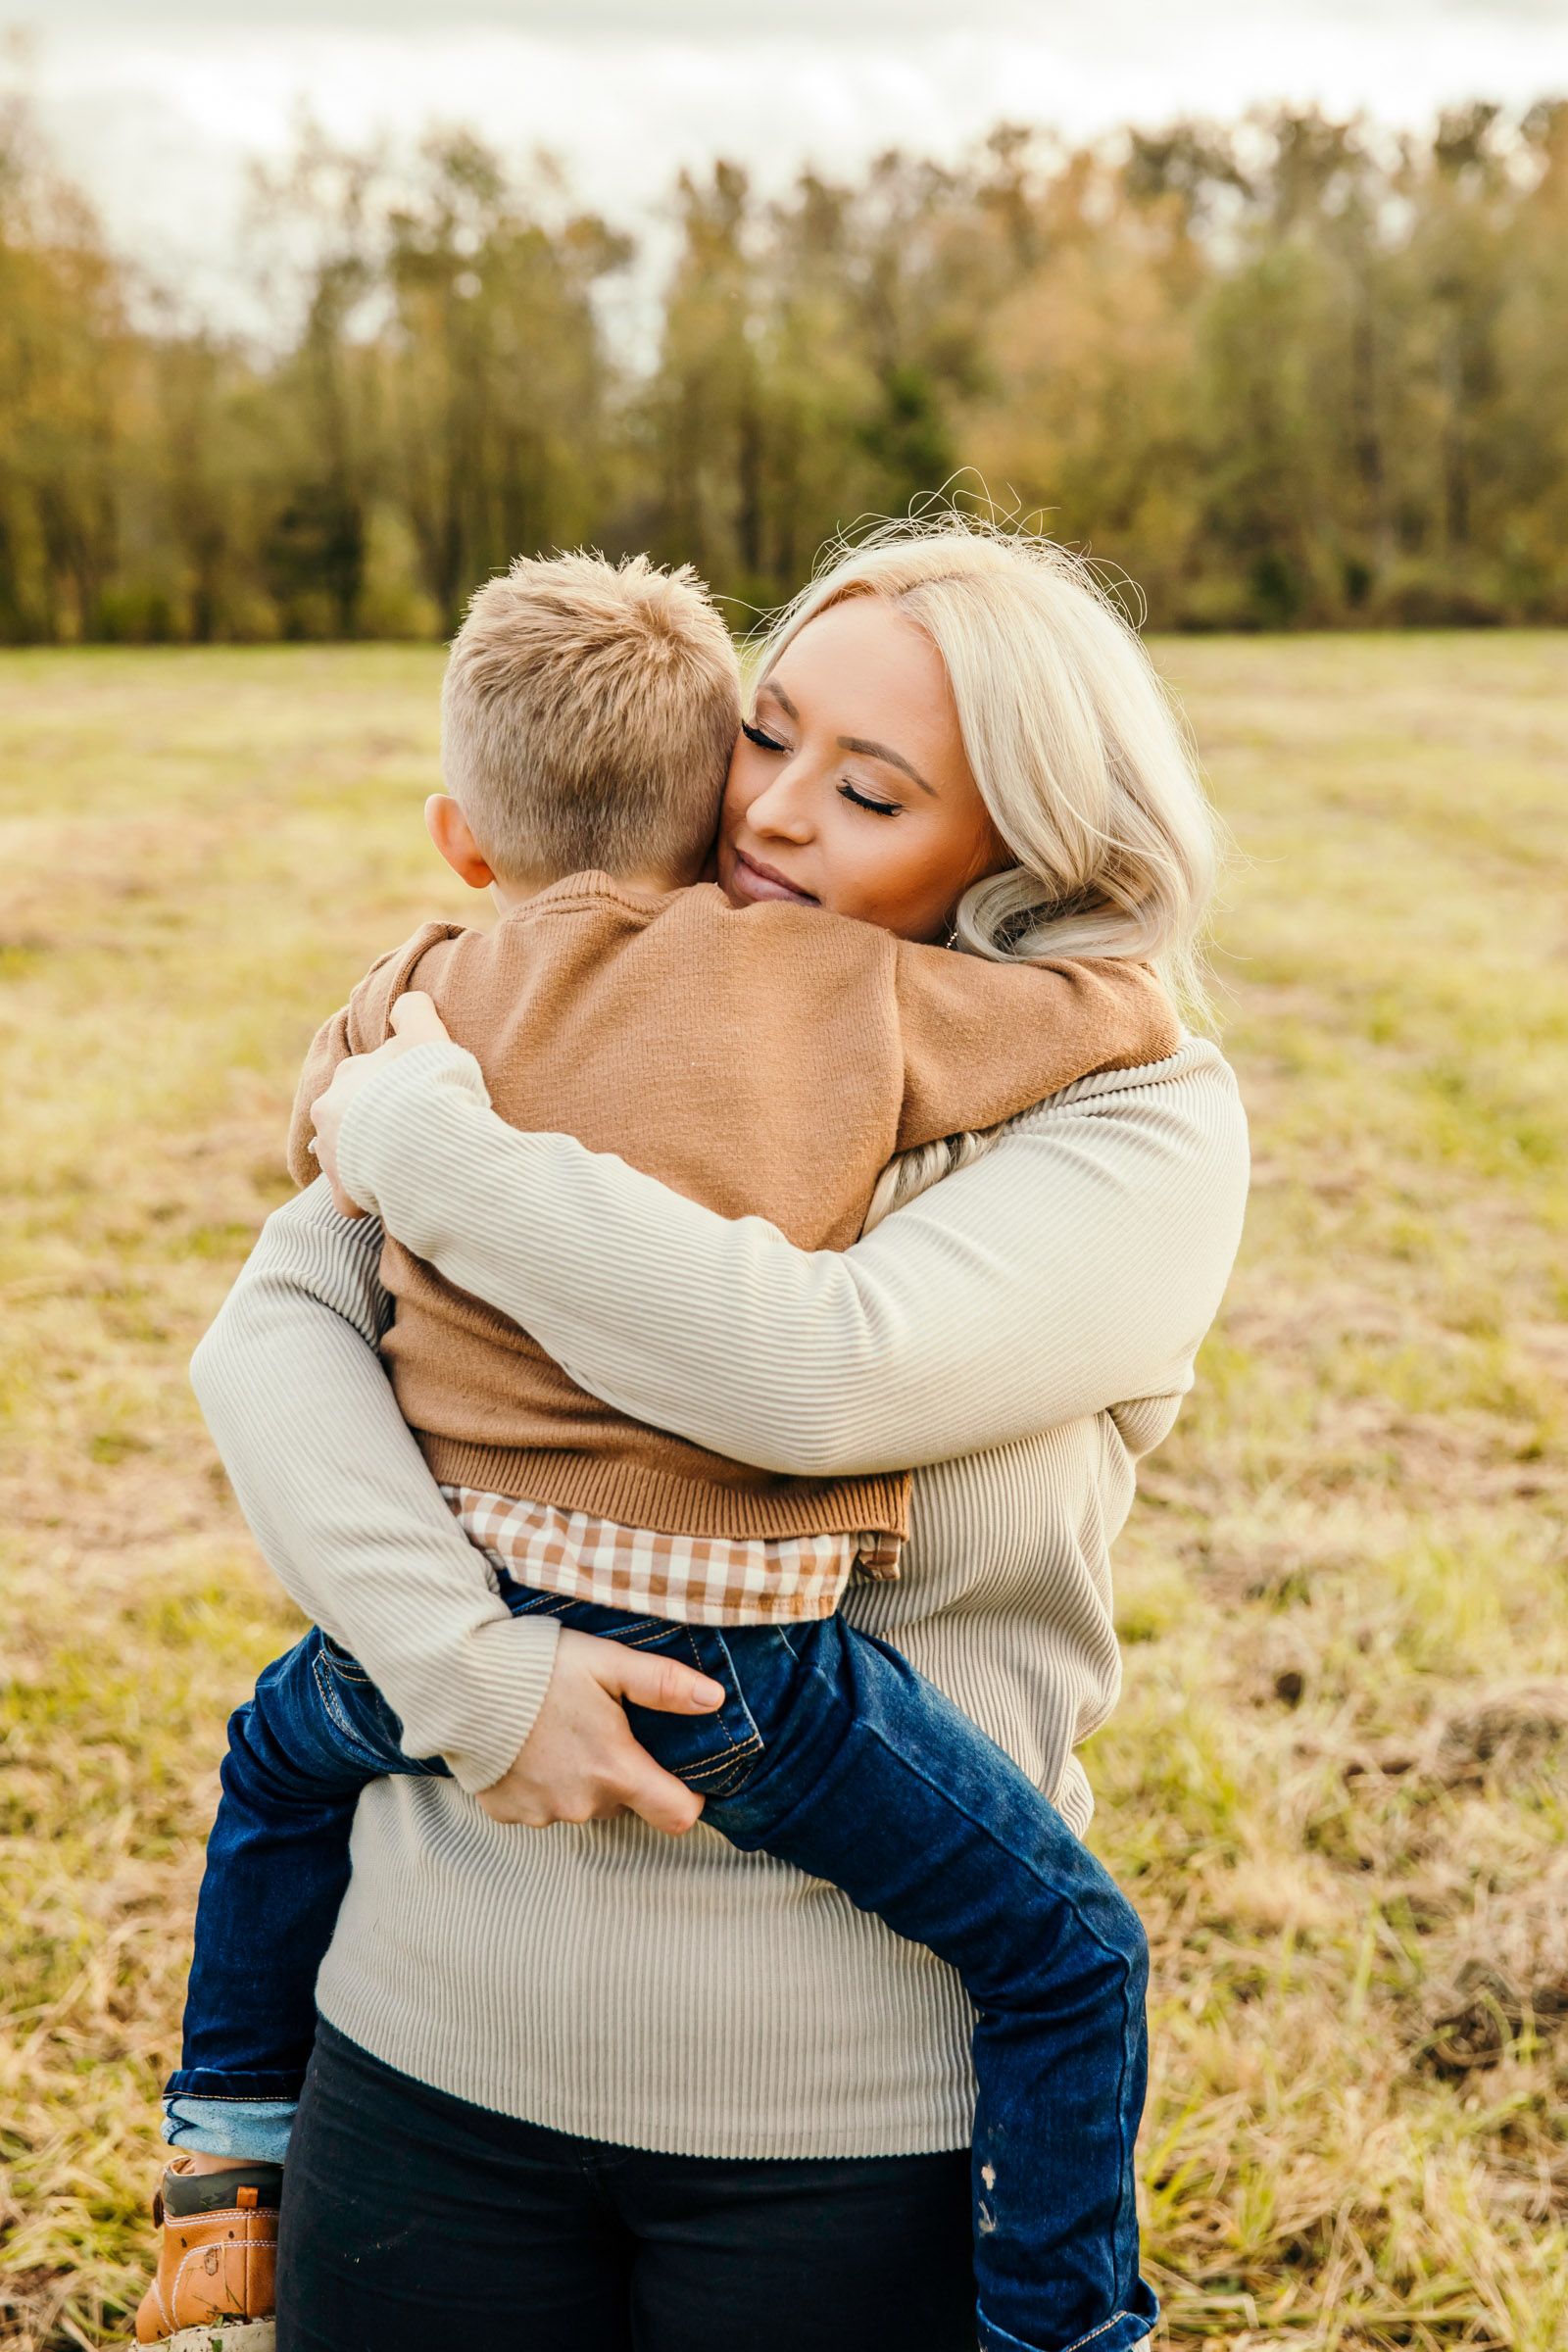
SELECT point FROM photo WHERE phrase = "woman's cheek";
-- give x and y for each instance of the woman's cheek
(892, 888)
(866, 880)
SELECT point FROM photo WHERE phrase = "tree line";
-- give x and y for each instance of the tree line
(1288, 372)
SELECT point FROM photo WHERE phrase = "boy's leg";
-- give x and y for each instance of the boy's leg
(277, 1862)
(834, 1754)
(872, 1780)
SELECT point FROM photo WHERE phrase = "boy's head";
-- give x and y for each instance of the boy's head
(587, 719)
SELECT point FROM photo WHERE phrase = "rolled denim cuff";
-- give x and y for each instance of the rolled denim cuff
(1119, 2333)
(251, 2131)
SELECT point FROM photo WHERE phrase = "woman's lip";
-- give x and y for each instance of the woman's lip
(755, 880)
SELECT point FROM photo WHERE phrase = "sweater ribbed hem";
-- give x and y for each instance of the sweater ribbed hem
(635, 1495)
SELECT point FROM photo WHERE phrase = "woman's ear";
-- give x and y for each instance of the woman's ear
(448, 828)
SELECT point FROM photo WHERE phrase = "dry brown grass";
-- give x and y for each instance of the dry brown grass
(1337, 1776)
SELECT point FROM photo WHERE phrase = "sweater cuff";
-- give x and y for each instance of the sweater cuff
(376, 1113)
(487, 1708)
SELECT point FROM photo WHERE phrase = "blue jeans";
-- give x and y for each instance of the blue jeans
(832, 1754)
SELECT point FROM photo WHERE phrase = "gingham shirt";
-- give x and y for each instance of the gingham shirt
(697, 1580)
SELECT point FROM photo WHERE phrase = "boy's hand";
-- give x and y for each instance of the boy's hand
(580, 1762)
(416, 1022)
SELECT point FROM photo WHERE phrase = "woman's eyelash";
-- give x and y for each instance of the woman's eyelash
(861, 801)
(770, 743)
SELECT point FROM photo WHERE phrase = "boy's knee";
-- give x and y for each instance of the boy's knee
(259, 1768)
(1129, 1939)
(241, 1737)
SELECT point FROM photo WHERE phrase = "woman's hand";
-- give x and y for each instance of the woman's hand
(580, 1762)
(416, 1022)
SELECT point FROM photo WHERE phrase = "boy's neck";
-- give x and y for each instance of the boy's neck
(652, 884)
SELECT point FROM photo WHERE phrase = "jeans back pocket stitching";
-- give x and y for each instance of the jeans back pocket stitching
(340, 1662)
(738, 1748)
(722, 1775)
(348, 1730)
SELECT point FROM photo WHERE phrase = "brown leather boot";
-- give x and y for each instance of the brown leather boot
(216, 2260)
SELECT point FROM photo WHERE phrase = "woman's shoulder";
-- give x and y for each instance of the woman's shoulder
(1196, 1074)
(1189, 1103)
(1164, 1128)
(1149, 1130)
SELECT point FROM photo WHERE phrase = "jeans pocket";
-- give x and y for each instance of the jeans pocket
(360, 1716)
(714, 1754)
(342, 1665)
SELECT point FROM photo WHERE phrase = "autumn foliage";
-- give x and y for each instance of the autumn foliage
(1293, 372)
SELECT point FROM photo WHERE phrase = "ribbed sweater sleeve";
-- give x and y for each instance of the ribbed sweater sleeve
(339, 1498)
(1073, 1268)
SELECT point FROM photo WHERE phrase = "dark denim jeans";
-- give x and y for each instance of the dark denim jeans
(832, 1754)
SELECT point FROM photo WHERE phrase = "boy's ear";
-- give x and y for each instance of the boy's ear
(448, 828)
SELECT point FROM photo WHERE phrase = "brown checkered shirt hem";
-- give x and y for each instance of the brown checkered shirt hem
(696, 1580)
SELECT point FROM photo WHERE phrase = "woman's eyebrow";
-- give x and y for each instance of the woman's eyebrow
(852, 743)
(883, 751)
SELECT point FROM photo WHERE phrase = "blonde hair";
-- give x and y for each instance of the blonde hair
(588, 715)
(1078, 751)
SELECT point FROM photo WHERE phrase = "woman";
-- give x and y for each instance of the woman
(643, 2089)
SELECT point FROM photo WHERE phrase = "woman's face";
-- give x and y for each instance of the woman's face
(850, 788)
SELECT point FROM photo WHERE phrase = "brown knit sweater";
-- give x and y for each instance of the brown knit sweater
(766, 1061)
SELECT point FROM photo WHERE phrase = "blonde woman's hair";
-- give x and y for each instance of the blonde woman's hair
(1079, 755)
(588, 715)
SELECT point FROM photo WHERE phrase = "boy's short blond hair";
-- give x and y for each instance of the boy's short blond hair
(588, 717)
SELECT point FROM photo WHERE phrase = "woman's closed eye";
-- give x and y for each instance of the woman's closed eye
(764, 741)
(863, 800)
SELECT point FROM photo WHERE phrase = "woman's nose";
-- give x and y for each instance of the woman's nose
(781, 811)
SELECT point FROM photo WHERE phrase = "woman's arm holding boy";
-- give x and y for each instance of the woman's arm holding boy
(1075, 1269)
(338, 1496)
(345, 1510)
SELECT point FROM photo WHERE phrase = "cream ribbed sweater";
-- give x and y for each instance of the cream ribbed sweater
(1026, 1329)
(767, 1061)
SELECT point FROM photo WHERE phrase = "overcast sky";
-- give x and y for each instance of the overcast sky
(156, 105)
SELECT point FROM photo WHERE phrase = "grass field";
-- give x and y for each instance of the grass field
(1335, 1781)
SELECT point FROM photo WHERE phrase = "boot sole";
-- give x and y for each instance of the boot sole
(222, 2336)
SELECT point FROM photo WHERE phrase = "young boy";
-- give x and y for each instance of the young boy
(767, 1061)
